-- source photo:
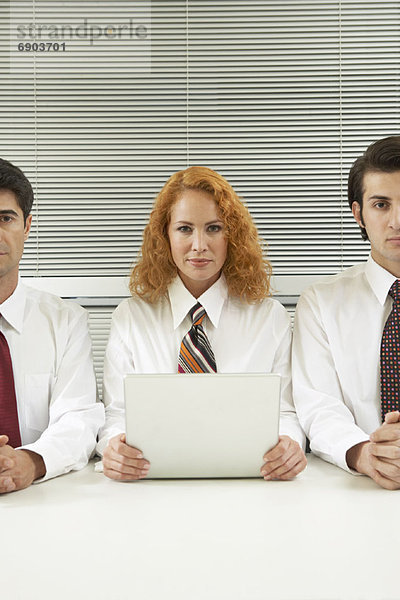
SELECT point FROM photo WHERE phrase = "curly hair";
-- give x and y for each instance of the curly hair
(246, 271)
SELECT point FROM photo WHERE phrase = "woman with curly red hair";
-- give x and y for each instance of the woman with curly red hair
(201, 255)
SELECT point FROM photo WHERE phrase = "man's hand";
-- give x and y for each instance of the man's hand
(18, 468)
(284, 461)
(123, 462)
(393, 417)
(380, 457)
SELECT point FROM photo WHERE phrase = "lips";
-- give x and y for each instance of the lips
(199, 262)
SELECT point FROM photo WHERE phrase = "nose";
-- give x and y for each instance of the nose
(395, 216)
(199, 241)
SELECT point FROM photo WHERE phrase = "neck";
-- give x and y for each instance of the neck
(391, 266)
(7, 287)
(197, 288)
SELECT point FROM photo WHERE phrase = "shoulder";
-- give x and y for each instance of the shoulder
(265, 306)
(132, 317)
(274, 309)
(269, 312)
(134, 309)
(331, 289)
(52, 306)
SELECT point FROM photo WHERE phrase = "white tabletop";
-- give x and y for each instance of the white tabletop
(326, 535)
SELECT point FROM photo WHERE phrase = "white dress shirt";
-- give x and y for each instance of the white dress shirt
(54, 379)
(336, 358)
(245, 338)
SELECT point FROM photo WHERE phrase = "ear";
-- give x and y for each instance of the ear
(356, 210)
(27, 229)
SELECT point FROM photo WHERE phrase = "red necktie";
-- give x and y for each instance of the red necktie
(390, 356)
(196, 355)
(8, 403)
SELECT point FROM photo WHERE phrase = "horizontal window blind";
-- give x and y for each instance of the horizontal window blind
(280, 97)
(99, 327)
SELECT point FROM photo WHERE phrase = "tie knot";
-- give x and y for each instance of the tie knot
(197, 314)
(394, 291)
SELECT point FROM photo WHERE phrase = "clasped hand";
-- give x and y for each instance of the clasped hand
(380, 457)
(385, 452)
(18, 468)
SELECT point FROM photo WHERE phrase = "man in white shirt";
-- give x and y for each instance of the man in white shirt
(48, 401)
(338, 333)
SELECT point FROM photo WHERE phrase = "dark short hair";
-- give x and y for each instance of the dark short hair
(383, 155)
(13, 179)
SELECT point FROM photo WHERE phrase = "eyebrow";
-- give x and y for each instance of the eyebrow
(377, 197)
(209, 222)
(8, 211)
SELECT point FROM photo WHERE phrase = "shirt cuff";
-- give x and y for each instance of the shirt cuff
(55, 462)
(338, 454)
(51, 470)
(291, 427)
(104, 439)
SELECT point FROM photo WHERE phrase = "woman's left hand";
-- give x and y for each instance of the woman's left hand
(284, 461)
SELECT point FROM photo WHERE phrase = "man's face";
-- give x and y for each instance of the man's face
(381, 217)
(13, 233)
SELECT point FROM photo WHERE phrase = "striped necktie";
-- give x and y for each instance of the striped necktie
(196, 355)
(390, 356)
(9, 424)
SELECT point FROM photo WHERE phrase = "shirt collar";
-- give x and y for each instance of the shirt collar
(13, 308)
(182, 300)
(379, 279)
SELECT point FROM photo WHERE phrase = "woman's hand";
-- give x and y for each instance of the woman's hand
(123, 462)
(284, 461)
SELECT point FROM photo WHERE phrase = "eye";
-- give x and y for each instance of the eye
(6, 218)
(185, 229)
(380, 204)
(214, 228)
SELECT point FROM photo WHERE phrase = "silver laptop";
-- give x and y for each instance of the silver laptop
(202, 425)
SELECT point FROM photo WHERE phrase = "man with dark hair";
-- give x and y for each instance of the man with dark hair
(49, 416)
(346, 345)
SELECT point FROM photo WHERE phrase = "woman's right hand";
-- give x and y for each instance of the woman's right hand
(123, 462)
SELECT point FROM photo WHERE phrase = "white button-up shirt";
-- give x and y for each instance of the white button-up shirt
(54, 379)
(336, 358)
(245, 338)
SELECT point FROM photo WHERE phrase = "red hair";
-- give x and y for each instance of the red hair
(246, 271)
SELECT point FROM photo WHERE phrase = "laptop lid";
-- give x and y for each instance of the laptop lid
(203, 425)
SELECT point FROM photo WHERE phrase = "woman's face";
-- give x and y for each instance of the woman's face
(197, 239)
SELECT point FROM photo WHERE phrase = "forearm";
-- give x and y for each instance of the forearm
(37, 464)
(74, 415)
(69, 440)
(353, 457)
(118, 362)
(114, 425)
(289, 425)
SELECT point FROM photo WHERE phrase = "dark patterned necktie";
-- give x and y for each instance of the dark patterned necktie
(9, 424)
(196, 355)
(390, 356)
